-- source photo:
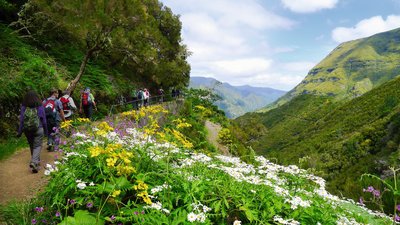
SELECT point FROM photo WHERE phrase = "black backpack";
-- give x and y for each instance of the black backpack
(50, 111)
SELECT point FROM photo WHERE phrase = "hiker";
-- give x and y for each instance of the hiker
(146, 97)
(134, 99)
(161, 94)
(32, 122)
(87, 103)
(54, 115)
(140, 96)
(121, 99)
(173, 93)
(68, 105)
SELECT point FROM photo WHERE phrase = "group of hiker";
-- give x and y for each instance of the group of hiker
(142, 98)
(39, 118)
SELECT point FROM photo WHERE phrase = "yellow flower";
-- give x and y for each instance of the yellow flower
(147, 200)
(140, 186)
(105, 127)
(116, 193)
(111, 161)
(125, 170)
(95, 151)
(112, 147)
(181, 138)
(83, 120)
(181, 123)
(66, 124)
(101, 133)
(200, 107)
(145, 196)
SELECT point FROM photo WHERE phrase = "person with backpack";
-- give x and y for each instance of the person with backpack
(140, 97)
(134, 99)
(68, 105)
(32, 122)
(87, 103)
(146, 95)
(54, 115)
(161, 94)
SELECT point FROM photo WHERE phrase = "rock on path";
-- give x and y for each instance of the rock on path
(17, 182)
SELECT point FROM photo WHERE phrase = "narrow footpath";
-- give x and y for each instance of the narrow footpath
(17, 182)
(212, 137)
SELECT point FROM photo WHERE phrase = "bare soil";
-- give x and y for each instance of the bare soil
(17, 182)
(212, 136)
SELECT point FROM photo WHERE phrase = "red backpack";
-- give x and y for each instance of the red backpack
(85, 98)
(65, 103)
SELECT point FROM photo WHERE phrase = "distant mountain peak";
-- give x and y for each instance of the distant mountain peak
(352, 68)
(237, 100)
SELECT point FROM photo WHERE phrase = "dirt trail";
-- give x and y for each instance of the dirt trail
(17, 182)
(16, 179)
(212, 136)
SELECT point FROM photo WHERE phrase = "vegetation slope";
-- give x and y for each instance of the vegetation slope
(237, 100)
(338, 140)
(352, 68)
(151, 167)
(117, 47)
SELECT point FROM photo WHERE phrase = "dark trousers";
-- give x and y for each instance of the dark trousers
(53, 138)
(88, 110)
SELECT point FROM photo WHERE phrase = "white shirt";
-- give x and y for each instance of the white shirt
(68, 113)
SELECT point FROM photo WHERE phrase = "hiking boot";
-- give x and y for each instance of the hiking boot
(34, 167)
(50, 148)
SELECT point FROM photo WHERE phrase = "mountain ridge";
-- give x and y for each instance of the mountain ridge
(342, 132)
(351, 69)
(237, 100)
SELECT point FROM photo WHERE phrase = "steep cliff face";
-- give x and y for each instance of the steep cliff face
(352, 68)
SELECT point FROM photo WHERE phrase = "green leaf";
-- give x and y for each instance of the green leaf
(226, 203)
(82, 218)
(122, 183)
(249, 214)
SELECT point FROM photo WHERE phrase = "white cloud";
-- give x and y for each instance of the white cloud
(254, 71)
(229, 41)
(302, 67)
(280, 81)
(309, 6)
(233, 13)
(242, 67)
(365, 28)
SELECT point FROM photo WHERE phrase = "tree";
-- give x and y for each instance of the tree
(142, 34)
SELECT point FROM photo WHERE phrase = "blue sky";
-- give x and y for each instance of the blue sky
(274, 43)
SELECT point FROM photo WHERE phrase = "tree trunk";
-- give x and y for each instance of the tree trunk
(72, 85)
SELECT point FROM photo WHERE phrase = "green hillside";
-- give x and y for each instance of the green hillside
(237, 100)
(137, 45)
(131, 169)
(352, 68)
(338, 140)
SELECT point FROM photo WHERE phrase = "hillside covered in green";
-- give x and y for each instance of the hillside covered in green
(237, 100)
(153, 167)
(338, 139)
(114, 47)
(352, 69)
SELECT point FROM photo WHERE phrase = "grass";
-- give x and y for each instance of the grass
(16, 212)
(10, 146)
